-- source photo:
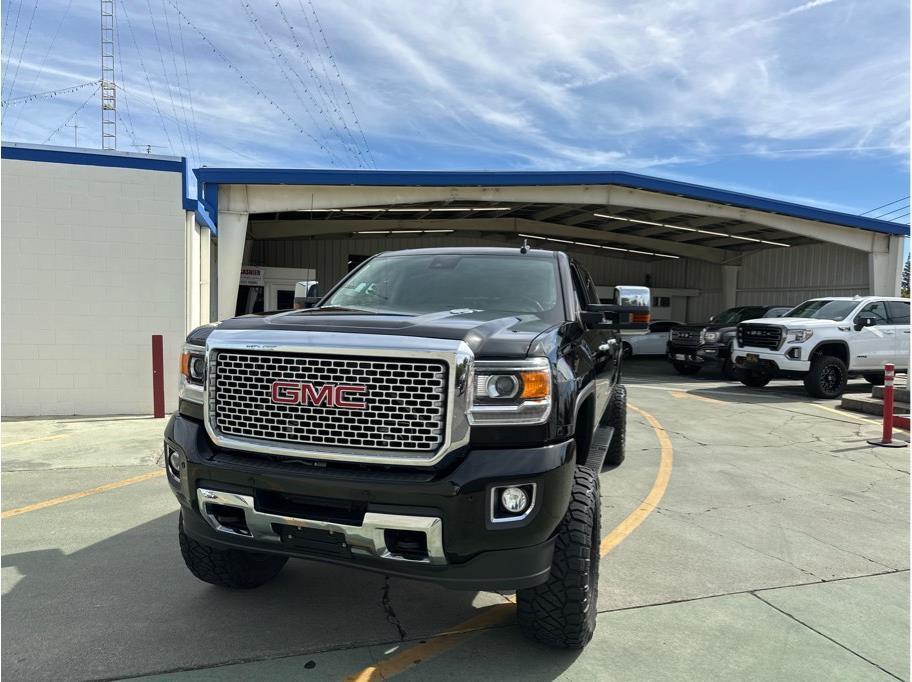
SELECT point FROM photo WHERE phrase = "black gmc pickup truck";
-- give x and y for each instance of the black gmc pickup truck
(441, 414)
(694, 346)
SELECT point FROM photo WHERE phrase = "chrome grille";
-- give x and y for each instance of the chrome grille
(759, 336)
(404, 400)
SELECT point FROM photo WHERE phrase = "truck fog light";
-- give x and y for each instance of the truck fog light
(514, 500)
(173, 459)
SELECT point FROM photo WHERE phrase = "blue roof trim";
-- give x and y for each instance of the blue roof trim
(209, 178)
(87, 158)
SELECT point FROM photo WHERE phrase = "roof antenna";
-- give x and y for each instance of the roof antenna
(524, 249)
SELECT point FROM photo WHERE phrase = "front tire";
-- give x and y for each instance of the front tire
(729, 371)
(827, 377)
(626, 350)
(685, 370)
(561, 612)
(616, 417)
(754, 378)
(232, 568)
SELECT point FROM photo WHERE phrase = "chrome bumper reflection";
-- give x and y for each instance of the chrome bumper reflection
(368, 539)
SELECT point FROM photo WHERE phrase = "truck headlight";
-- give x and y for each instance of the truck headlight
(798, 335)
(711, 336)
(192, 373)
(511, 392)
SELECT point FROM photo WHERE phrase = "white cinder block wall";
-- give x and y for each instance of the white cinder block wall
(93, 264)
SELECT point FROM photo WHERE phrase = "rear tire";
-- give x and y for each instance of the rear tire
(875, 378)
(686, 370)
(827, 377)
(729, 371)
(616, 417)
(232, 568)
(562, 611)
(754, 378)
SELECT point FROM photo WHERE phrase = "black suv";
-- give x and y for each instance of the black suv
(693, 346)
(441, 414)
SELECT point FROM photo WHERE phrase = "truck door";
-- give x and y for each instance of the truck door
(899, 317)
(874, 345)
(600, 344)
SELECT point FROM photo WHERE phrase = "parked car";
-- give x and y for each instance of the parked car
(693, 346)
(653, 342)
(441, 414)
(825, 341)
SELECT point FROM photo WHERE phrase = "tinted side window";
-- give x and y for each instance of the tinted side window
(899, 311)
(589, 285)
(578, 288)
(877, 310)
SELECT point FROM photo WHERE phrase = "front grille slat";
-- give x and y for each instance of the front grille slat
(405, 400)
(687, 336)
(759, 336)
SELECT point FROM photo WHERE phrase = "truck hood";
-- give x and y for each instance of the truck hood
(707, 326)
(487, 333)
(795, 322)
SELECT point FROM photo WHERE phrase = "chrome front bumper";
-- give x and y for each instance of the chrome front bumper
(368, 539)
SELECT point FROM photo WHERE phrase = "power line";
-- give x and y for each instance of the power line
(895, 210)
(28, 32)
(327, 99)
(180, 90)
(180, 33)
(335, 66)
(884, 206)
(12, 41)
(128, 125)
(161, 59)
(39, 70)
(142, 64)
(900, 216)
(73, 115)
(25, 99)
(281, 62)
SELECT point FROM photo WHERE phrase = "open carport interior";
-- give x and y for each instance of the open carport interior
(708, 254)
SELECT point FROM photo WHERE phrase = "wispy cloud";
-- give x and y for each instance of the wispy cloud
(489, 83)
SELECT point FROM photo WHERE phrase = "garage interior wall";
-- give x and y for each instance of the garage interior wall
(93, 264)
(776, 276)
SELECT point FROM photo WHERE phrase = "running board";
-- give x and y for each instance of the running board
(601, 441)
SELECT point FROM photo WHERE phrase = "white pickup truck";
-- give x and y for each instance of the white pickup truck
(824, 341)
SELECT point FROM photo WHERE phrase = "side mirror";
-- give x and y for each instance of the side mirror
(863, 321)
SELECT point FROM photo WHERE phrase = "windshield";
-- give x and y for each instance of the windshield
(427, 283)
(733, 315)
(823, 310)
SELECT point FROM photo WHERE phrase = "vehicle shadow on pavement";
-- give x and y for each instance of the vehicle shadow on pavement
(768, 394)
(128, 606)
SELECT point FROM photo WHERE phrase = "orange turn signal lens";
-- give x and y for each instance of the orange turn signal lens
(185, 364)
(641, 318)
(536, 384)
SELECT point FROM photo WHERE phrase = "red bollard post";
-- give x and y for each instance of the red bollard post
(887, 436)
(158, 377)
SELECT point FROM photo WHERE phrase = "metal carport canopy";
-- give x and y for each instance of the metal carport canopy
(643, 216)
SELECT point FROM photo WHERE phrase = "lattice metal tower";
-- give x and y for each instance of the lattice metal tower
(108, 86)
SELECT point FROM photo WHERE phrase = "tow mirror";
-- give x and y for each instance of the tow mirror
(863, 321)
(307, 294)
(629, 310)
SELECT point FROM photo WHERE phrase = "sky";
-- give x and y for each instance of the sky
(804, 100)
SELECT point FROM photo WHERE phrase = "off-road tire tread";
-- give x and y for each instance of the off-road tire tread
(812, 378)
(616, 417)
(562, 611)
(227, 568)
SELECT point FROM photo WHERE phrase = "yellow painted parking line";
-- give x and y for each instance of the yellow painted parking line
(684, 394)
(33, 440)
(83, 493)
(652, 499)
(502, 613)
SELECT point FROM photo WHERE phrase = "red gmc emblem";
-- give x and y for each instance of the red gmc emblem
(329, 395)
